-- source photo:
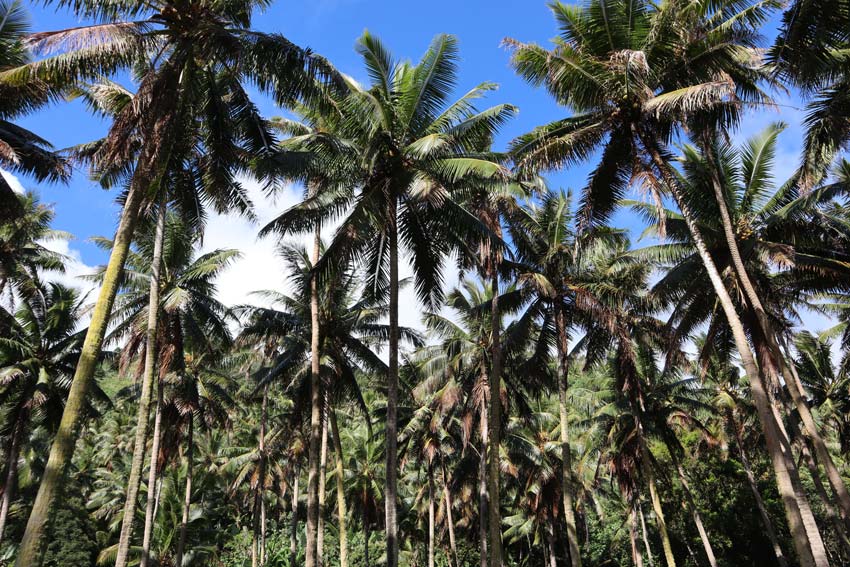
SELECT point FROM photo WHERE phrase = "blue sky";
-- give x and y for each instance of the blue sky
(330, 27)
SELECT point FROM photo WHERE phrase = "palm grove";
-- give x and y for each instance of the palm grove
(576, 399)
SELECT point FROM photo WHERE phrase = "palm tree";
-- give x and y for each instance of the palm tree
(37, 357)
(769, 224)
(404, 155)
(184, 300)
(193, 60)
(22, 150)
(620, 67)
(22, 251)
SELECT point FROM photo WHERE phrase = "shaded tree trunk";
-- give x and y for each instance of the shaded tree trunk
(566, 455)
(143, 413)
(366, 535)
(692, 508)
(449, 520)
(751, 481)
(31, 550)
(153, 475)
(431, 515)
(187, 496)
(11, 473)
(391, 494)
(261, 485)
(637, 554)
(293, 527)
(792, 383)
(323, 463)
(311, 559)
(645, 536)
(669, 558)
(495, 419)
(340, 489)
(759, 395)
(550, 542)
(483, 498)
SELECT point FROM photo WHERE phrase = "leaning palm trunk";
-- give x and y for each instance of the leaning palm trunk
(323, 463)
(566, 456)
(11, 473)
(315, 418)
(495, 419)
(31, 550)
(391, 495)
(340, 489)
(637, 554)
(645, 535)
(187, 497)
(689, 498)
(649, 474)
(751, 481)
(791, 380)
(293, 527)
(153, 475)
(483, 499)
(430, 515)
(449, 521)
(143, 413)
(775, 449)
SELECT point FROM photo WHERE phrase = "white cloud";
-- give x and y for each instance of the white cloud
(13, 181)
(75, 268)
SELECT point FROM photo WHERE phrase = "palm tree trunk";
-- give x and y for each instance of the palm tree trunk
(495, 419)
(293, 528)
(31, 550)
(751, 481)
(366, 540)
(391, 494)
(342, 520)
(11, 473)
(550, 543)
(483, 497)
(153, 475)
(792, 382)
(143, 413)
(645, 535)
(637, 554)
(255, 531)
(323, 463)
(760, 397)
(431, 515)
(669, 558)
(262, 529)
(315, 416)
(449, 521)
(689, 498)
(566, 455)
(260, 502)
(187, 497)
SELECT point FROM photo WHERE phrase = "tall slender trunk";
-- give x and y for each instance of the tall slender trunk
(187, 496)
(340, 489)
(366, 534)
(637, 554)
(495, 419)
(323, 463)
(645, 535)
(255, 531)
(669, 558)
(293, 527)
(311, 559)
(143, 413)
(566, 455)
(153, 475)
(431, 515)
(483, 498)
(449, 521)
(751, 481)
(31, 550)
(792, 382)
(391, 494)
(550, 543)
(760, 398)
(11, 473)
(260, 500)
(689, 498)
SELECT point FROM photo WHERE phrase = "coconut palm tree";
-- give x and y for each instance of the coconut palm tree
(620, 67)
(21, 150)
(192, 61)
(187, 314)
(403, 154)
(38, 351)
